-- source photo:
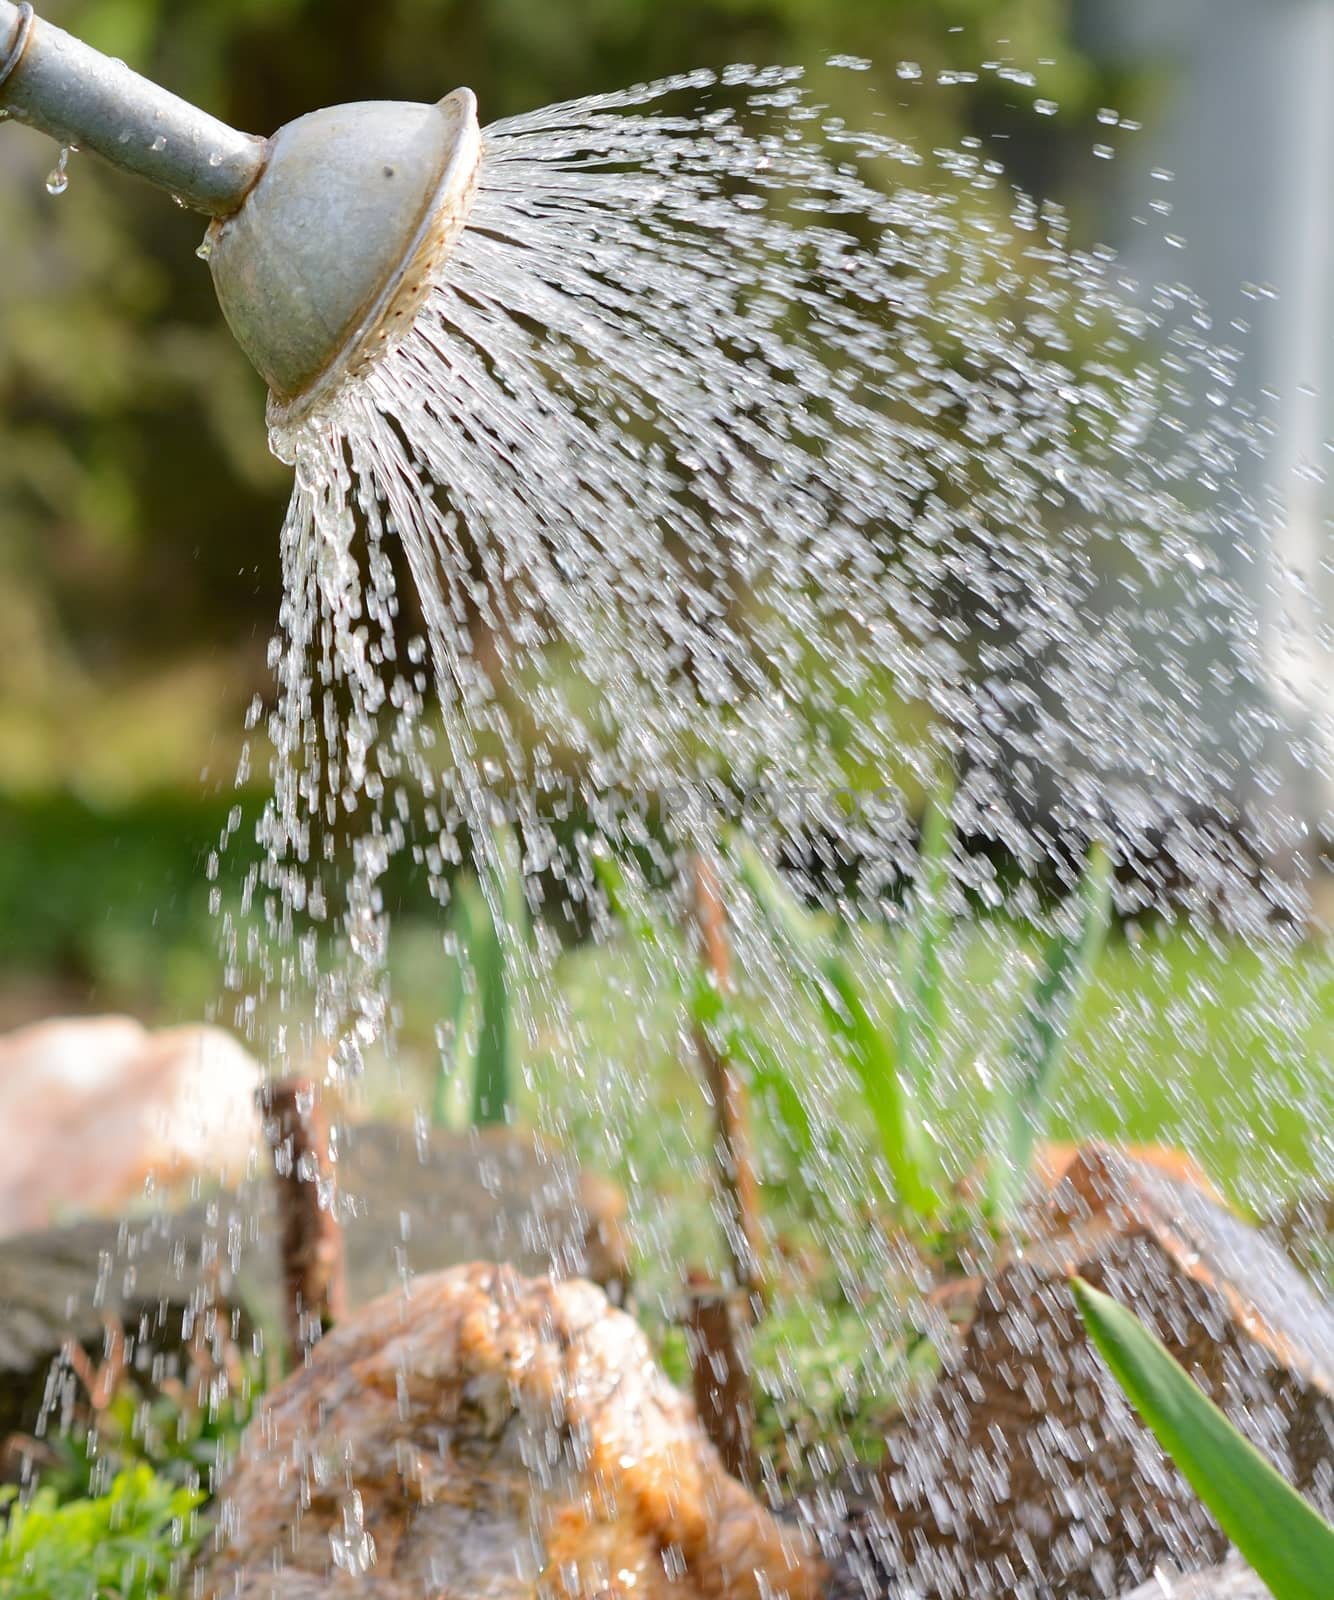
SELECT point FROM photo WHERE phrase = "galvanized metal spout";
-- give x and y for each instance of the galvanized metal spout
(325, 237)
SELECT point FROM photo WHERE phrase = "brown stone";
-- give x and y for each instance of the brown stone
(1230, 1581)
(93, 1108)
(1054, 1161)
(1026, 1473)
(492, 1436)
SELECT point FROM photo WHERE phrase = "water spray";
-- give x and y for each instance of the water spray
(323, 238)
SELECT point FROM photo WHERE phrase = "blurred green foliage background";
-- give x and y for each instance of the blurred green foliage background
(139, 507)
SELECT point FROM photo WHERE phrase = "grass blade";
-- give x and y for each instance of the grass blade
(1287, 1542)
(498, 924)
(444, 1105)
(867, 1050)
(1044, 1028)
(851, 1023)
(626, 903)
(922, 1013)
(800, 929)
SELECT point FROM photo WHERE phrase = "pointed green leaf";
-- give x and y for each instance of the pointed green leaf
(626, 903)
(922, 1013)
(782, 910)
(867, 1050)
(498, 924)
(455, 1064)
(1287, 1542)
(1044, 1028)
(851, 1023)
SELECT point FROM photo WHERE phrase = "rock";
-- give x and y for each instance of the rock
(152, 1279)
(491, 1436)
(1054, 1161)
(1026, 1473)
(1231, 1581)
(1305, 1230)
(91, 1108)
(420, 1202)
(426, 1199)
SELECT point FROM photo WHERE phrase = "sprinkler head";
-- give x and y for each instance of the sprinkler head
(333, 249)
(325, 236)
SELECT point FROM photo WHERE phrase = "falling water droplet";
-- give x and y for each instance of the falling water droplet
(57, 180)
(909, 70)
(205, 250)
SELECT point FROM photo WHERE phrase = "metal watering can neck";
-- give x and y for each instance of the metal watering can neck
(61, 86)
(325, 237)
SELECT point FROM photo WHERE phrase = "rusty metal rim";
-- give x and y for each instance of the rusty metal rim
(399, 300)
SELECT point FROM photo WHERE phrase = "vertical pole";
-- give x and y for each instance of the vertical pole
(311, 1239)
(736, 1169)
(720, 1377)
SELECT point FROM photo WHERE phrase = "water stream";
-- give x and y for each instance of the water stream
(732, 461)
(745, 467)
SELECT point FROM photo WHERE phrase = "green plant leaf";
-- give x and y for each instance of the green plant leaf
(800, 929)
(903, 1139)
(1043, 1031)
(626, 902)
(851, 1024)
(772, 1080)
(457, 1066)
(1287, 1542)
(499, 927)
(126, 1542)
(922, 1013)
